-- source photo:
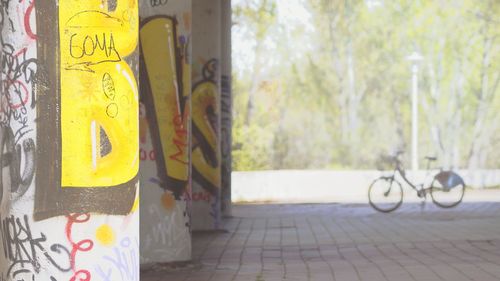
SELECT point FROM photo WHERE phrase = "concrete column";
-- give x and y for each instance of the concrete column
(69, 140)
(226, 108)
(206, 151)
(165, 36)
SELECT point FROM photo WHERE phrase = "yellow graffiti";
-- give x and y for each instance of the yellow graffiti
(205, 99)
(136, 205)
(159, 48)
(99, 95)
(105, 235)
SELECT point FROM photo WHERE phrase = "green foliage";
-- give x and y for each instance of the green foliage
(328, 83)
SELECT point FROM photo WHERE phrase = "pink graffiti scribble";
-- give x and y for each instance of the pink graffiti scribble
(81, 246)
(27, 25)
(21, 51)
(24, 95)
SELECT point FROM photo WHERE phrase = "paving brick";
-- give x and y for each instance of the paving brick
(347, 243)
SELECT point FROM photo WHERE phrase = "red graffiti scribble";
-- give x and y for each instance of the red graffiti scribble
(145, 155)
(179, 139)
(82, 275)
(18, 86)
(25, 93)
(22, 51)
(82, 246)
(187, 193)
(201, 196)
(27, 17)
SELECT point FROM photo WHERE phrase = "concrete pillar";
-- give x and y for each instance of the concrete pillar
(165, 36)
(206, 151)
(226, 108)
(69, 140)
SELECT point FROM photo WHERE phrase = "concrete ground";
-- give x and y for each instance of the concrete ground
(346, 242)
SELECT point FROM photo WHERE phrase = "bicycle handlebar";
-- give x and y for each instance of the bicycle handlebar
(431, 158)
(395, 160)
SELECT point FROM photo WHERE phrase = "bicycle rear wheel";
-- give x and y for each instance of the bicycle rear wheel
(385, 194)
(447, 189)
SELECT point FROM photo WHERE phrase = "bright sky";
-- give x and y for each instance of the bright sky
(291, 14)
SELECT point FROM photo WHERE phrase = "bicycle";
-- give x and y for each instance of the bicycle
(385, 194)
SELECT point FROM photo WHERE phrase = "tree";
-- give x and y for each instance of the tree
(330, 87)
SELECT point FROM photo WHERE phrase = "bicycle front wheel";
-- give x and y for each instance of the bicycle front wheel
(447, 189)
(385, 194)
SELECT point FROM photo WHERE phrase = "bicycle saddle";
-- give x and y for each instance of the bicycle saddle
(431, 158)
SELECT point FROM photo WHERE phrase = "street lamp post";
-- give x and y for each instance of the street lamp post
(415, 58)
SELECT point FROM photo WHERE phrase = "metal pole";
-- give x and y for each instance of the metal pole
(226, 108)
(414, 101)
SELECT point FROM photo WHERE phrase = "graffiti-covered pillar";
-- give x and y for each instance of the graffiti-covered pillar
(226, 108)
(165, 35)
(69, 140)
(206, 151)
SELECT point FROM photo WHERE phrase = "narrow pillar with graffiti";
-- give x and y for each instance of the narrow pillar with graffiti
(165, 34)
(206, 153)
(226, 108)
(69, 137)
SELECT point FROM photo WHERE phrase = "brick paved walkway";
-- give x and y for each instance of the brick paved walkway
(347, 242)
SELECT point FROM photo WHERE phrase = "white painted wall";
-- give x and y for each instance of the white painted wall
(165, 233)
(336, 186)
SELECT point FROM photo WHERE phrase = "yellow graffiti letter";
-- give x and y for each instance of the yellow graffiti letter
(159, 49)
(99, 95)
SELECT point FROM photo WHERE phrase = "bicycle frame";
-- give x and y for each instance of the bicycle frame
(412, 185)
(402, 173)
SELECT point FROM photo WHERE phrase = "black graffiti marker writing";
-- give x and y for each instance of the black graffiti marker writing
(155, 3)
(12, 155)
(19, 73)
(91, 49)
(16, 66)
(24, 251)
(108, 87)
